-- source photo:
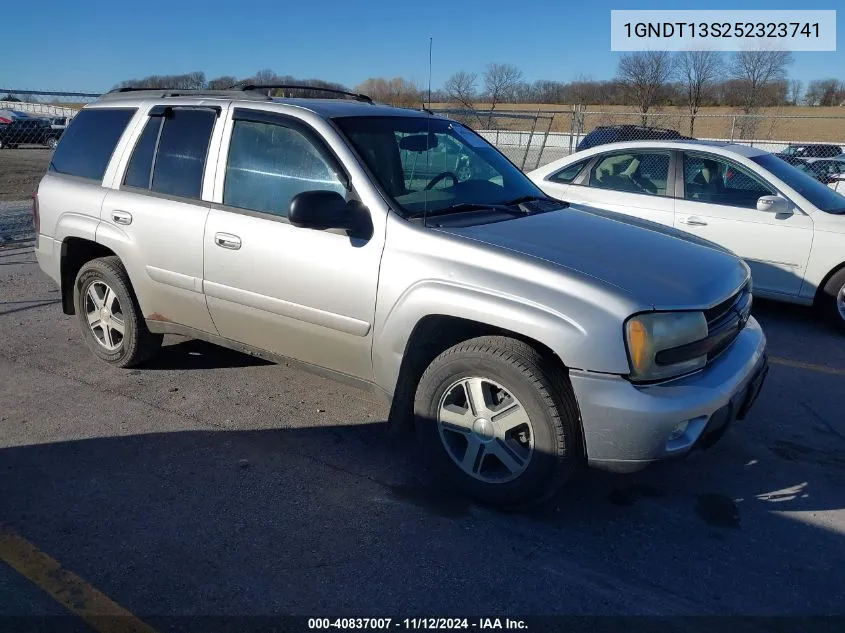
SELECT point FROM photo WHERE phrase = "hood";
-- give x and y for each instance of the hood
(657, 265)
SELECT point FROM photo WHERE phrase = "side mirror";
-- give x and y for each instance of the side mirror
(323, 210)
(773, 204)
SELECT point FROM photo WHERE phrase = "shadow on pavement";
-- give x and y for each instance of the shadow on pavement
(196, 354)
(341, 520)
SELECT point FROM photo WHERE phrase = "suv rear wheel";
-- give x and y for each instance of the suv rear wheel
(109, 315)
(497, 419)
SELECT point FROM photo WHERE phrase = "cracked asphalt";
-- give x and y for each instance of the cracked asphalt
(213, 483)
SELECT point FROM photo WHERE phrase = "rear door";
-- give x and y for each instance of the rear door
(633, 182)
(158, 215)
(719, 203)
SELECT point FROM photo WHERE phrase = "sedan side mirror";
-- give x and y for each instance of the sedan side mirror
(323, 210)
(773, 204)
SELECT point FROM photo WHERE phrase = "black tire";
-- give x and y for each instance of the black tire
(827, 304)
(545, 393)
(138, 343)
(52, 142)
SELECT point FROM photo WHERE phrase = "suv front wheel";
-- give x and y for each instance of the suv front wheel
(109, 314)
(499, 420)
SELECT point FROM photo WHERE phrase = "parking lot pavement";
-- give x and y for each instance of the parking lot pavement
(209, 482)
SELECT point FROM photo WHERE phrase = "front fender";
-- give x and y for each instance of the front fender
(582, 343)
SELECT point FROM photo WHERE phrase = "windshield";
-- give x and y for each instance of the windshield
(819, 194)
(431, 164)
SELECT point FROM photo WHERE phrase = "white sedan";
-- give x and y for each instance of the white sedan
(788, 226)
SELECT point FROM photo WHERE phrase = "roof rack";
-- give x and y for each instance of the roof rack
(254, 87)
(179, 92)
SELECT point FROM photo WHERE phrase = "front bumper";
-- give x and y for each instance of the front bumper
(627, 427)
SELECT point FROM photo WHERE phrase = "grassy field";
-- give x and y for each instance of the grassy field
(795, 123)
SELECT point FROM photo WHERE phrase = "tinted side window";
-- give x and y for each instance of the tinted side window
(633, 172)
(89, 141)
(182, 148)
(568, 174)
(141, 164)
(269, 164)
(717, 181)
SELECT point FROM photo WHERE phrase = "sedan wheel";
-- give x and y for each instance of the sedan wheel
(831, 300)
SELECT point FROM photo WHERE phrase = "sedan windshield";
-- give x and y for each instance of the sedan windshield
(819, 194)
(432, 165)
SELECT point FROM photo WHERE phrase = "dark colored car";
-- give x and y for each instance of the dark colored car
(29, 131)
(812, 150)
(616, 133)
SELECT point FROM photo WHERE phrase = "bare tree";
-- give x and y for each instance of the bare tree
(643, 75)
(755, 70)
(501, 82)
(460, 88)
(397, 91)
(795, 89)
(221, 83)
(697, 71)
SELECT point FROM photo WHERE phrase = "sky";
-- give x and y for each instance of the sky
(92, 45)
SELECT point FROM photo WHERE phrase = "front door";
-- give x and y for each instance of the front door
(301, 293)
(720, 204)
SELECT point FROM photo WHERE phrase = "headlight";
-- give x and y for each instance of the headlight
(662, 345)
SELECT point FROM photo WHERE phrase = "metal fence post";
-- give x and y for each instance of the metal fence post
(733, 127)
(543, 144)
(530, 138)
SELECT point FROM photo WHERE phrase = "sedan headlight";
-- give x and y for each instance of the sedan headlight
(662, 345)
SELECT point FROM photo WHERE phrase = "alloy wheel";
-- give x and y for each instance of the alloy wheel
(485, 429)
(105, 317)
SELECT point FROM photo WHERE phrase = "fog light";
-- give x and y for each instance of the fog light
(679, 430)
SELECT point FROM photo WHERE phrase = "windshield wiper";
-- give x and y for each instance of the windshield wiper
(522, 199)
(462, 207)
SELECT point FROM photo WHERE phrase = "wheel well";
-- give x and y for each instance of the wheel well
(76, 252)
(431, 336)
(820, 288)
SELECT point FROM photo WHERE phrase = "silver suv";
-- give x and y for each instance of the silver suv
(521, 336)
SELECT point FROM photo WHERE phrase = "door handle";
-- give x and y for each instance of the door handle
(227, 240)
(121, 217)
(693, 221)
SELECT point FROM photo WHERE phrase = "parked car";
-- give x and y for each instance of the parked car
(604, 134)
(812, 150)
(830, 171)
(788, 226)
(27, 131)
(520, 335)
(59, 124)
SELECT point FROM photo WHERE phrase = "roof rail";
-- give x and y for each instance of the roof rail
(254, 87)
(159, 93)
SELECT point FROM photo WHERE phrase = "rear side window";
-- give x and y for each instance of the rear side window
(568, 174)
(89, 141)
(634, 172)
(170, 155)
(140, 166)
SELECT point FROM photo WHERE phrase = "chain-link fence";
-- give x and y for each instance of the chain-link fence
(532, 139)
